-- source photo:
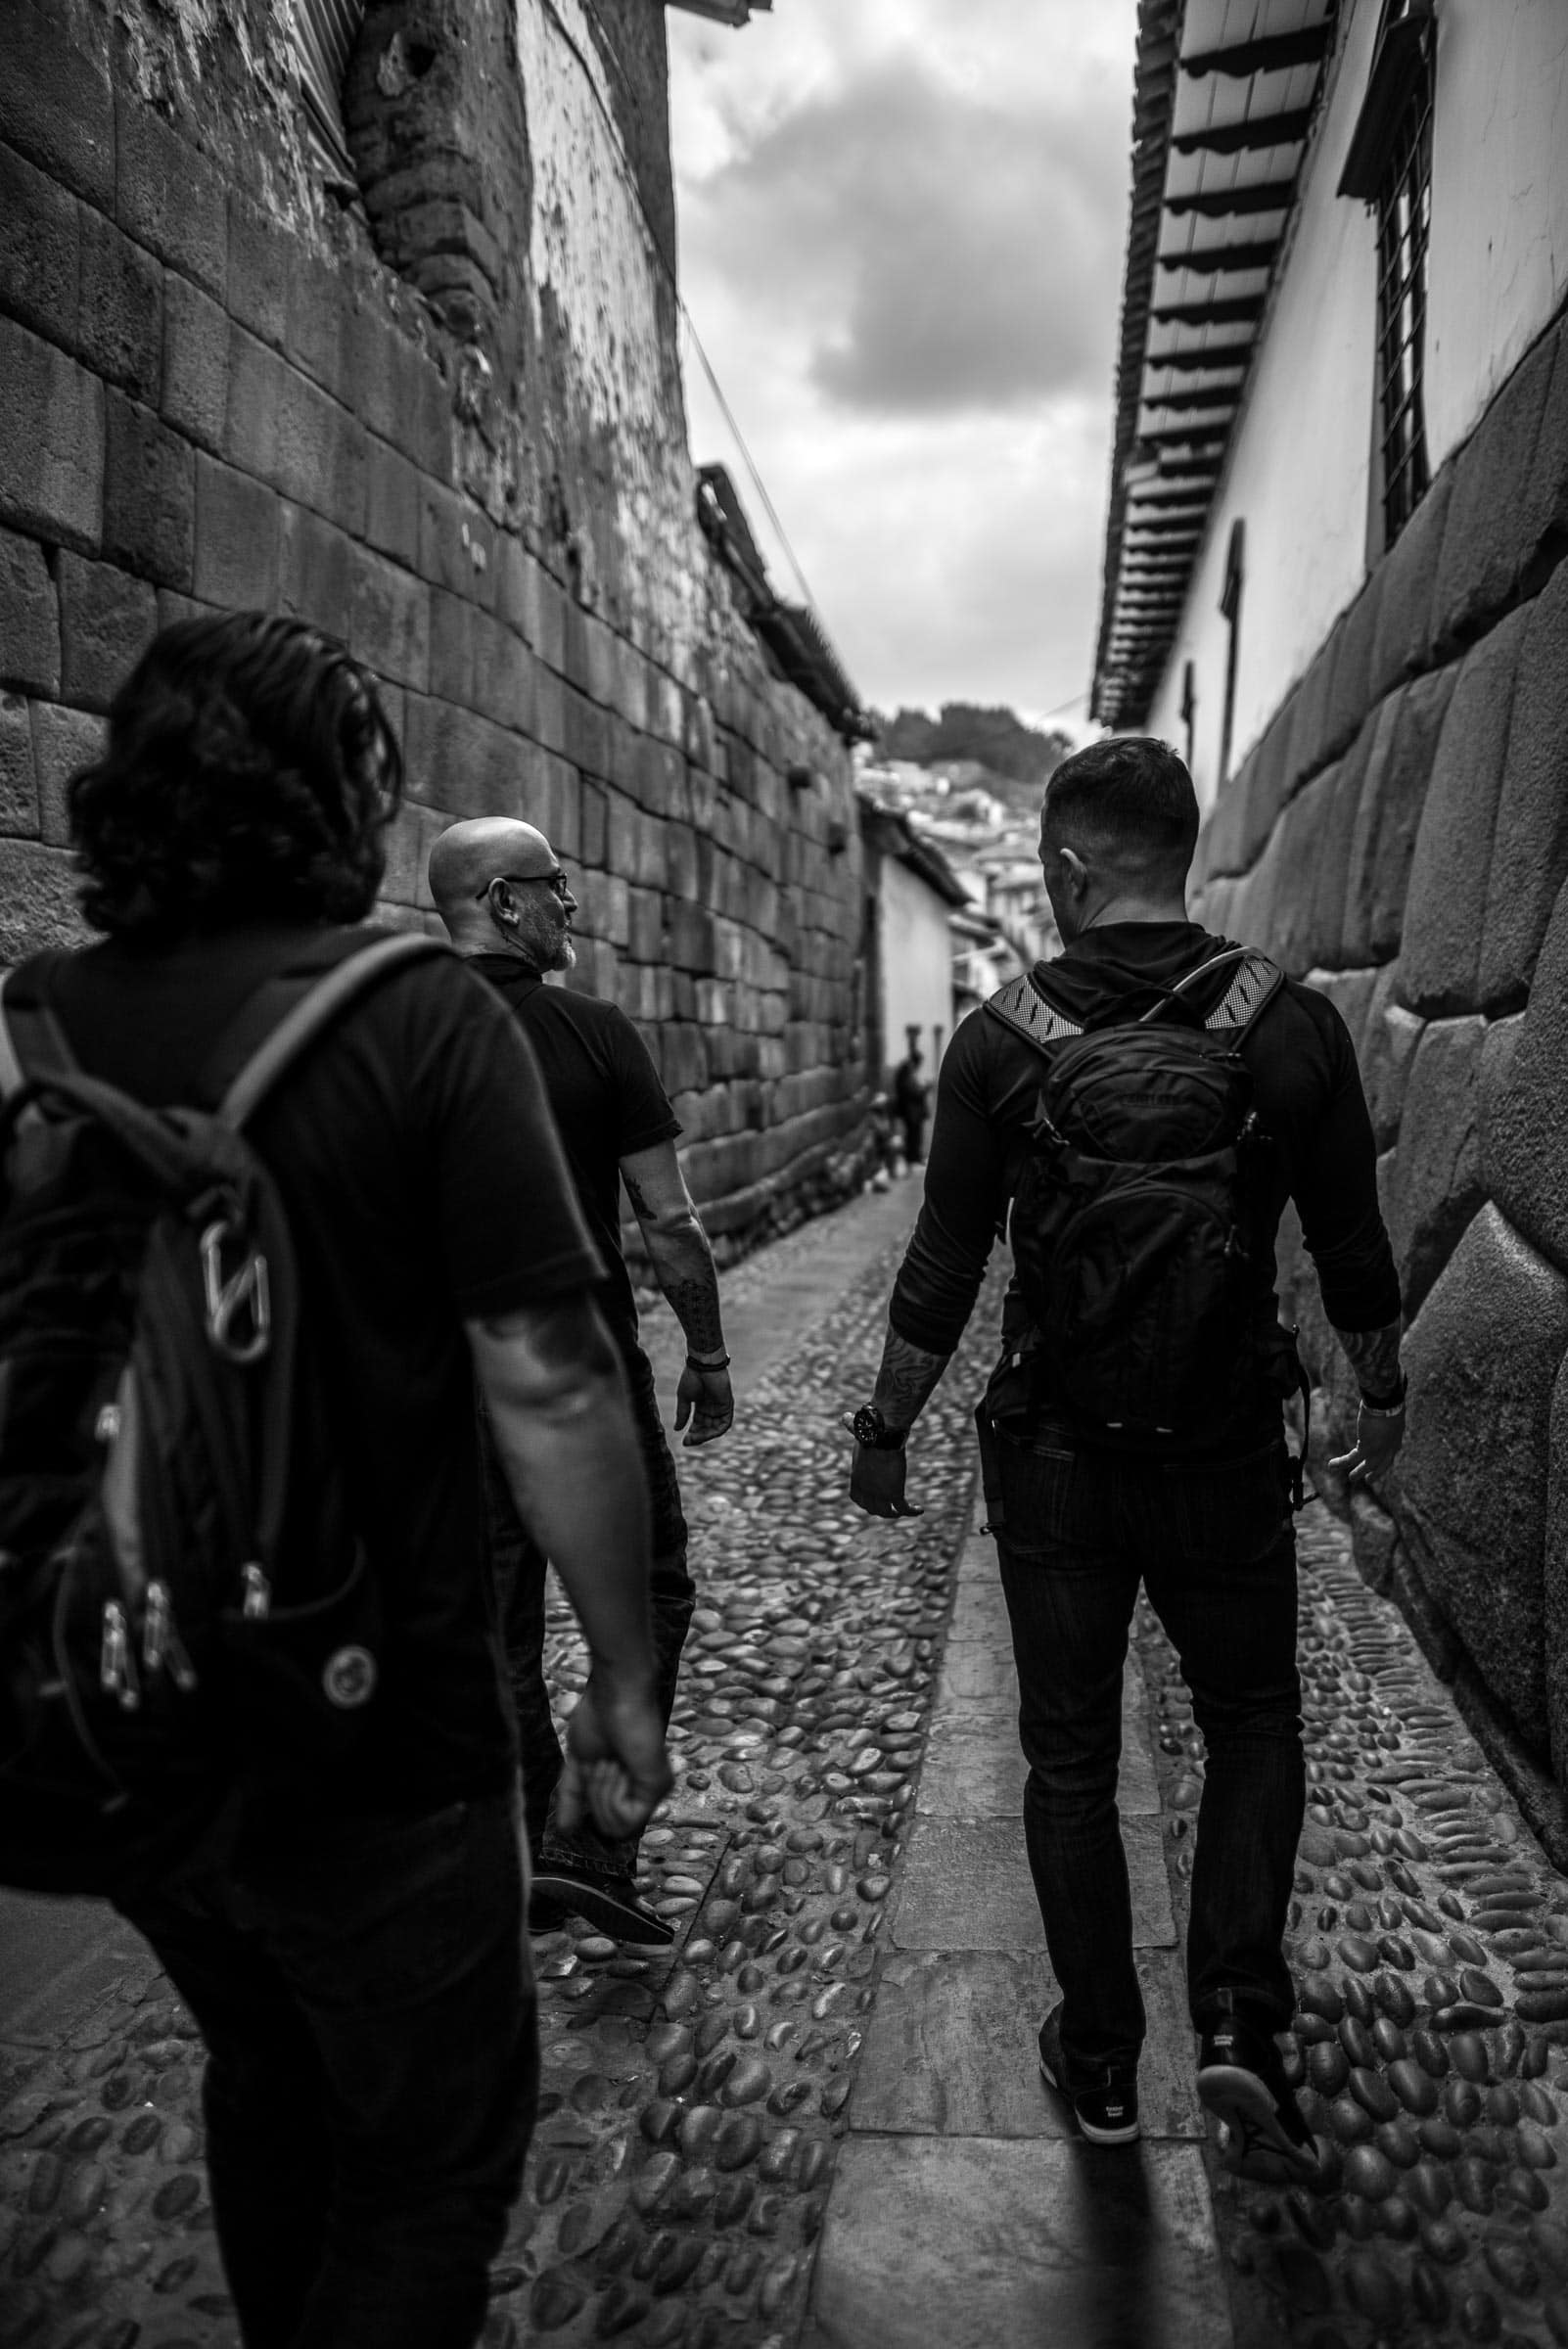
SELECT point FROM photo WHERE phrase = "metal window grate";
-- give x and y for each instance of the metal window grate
(1403, 223)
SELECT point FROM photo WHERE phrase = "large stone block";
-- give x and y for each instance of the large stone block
(1387, 1050)
(29, 617)
(168, 196)
(1435, 1185)
(120, 317)
(18, 781)
(236, 538)
(1401, 643)
(1445, 911)
(195, 363)
(1351, 697)
(1530, 850)
(149, 495)
(1331, 878)
(107, 621)
(1298, 932)
(1473, 1475)
(41, 263)
(37, 899)
(1268, 781)
(1483, 551)
(55, 102)
(1387, 818)
(1525, 1124)
(1311, 743)
(1555, 1569)
(51, 441)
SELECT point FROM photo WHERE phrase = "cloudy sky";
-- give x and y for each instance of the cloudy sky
(901, 227)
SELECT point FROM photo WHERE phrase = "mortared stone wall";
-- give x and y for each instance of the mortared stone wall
(1400, 838)
(444, 421)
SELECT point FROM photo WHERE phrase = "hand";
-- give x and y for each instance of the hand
(616, 1769)
(876, 1481)
(1378, 1437)
(707, 1398)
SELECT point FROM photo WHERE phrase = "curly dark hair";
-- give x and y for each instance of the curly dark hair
(249, 772)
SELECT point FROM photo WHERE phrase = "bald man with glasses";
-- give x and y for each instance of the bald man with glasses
(508, 905)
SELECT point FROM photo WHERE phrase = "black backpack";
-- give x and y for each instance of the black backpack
(184, 1602)
(1141, 1227)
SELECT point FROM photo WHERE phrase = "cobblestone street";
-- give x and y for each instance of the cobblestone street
(819, 2118)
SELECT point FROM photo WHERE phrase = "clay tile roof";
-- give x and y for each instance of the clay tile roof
(1226, 98)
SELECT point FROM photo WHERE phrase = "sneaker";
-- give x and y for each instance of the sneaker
(1241, 2081)
(1106, 2114)
(610, 1904)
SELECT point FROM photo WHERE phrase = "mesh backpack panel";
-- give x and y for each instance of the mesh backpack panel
(161, 1643)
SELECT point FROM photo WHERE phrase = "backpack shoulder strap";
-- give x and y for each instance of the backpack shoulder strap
(1254, 984)
(289, 1020)
(32, 1041)
(1020, 1006)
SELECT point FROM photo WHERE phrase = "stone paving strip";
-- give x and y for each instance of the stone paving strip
(819, 2117)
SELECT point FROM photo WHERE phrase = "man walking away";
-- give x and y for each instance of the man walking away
(356, 1962)
(1133, 1425)
(508, 905)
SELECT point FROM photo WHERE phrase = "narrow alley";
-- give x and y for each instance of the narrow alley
(819, 2120)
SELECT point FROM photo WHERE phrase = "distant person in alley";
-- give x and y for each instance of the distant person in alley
(349, 1935)
(911, 1098)
(1139, 1110)
(508, 905)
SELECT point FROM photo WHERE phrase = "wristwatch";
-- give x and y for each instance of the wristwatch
(873, 1431)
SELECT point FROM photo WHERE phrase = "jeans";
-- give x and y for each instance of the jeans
(366, 1996)
(1214, 1548)
(518, 1566)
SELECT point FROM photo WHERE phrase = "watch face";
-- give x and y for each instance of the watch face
(868, 1424)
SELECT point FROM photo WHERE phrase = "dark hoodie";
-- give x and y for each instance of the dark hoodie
(1308, 1091)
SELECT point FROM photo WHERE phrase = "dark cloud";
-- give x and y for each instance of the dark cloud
(942, 251)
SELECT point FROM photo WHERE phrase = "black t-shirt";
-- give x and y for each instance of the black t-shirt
(425, 1185)
(1309, 1097)
(607, 1098)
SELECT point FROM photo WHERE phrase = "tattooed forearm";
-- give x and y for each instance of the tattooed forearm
(905, 1380)
(694, 1301)
(1375, 1357)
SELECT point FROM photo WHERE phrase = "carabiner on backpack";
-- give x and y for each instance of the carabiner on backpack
(243, 1291)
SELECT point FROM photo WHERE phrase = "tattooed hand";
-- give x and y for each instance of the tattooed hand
(707, 1398)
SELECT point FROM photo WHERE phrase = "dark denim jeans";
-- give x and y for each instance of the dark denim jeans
(366, 1996)
(1214, 1548)
(518, 1566)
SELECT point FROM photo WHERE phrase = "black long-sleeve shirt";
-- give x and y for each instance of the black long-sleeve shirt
(1307, 1089)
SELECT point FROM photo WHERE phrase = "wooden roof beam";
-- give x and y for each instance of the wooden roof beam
(1271, 53)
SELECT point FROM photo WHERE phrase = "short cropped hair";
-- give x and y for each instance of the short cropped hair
(250, 773)
(1129, 797)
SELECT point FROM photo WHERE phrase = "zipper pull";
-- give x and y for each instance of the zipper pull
(163, 1649)
(116, 1673)
(257, 1594)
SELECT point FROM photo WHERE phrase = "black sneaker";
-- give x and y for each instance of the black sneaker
(1241, 2081)
(610, 1904)
(1106, 2114)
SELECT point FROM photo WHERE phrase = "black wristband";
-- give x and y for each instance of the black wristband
(695, 1362)
(1390, 1404)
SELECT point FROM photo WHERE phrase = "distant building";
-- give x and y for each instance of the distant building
(912, 897)
(1334, 575)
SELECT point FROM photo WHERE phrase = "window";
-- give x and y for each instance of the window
(1189, 706)
(1230, 606)
(1390, 167)
(325, 33)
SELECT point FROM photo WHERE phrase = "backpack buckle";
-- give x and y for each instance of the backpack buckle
(244, 1291)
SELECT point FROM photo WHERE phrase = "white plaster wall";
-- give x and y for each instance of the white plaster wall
(1300, 464)
(916, 962)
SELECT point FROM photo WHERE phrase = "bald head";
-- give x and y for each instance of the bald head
(492, 879)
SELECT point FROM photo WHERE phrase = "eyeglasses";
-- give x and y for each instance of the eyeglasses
(556, 881)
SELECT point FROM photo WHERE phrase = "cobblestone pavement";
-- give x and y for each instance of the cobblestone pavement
(694, 2107)
(1430, 1947)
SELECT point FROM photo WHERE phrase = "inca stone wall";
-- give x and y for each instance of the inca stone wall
(1399, 836)
(442, 419)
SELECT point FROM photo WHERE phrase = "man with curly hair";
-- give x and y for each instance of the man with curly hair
(358, 1965)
